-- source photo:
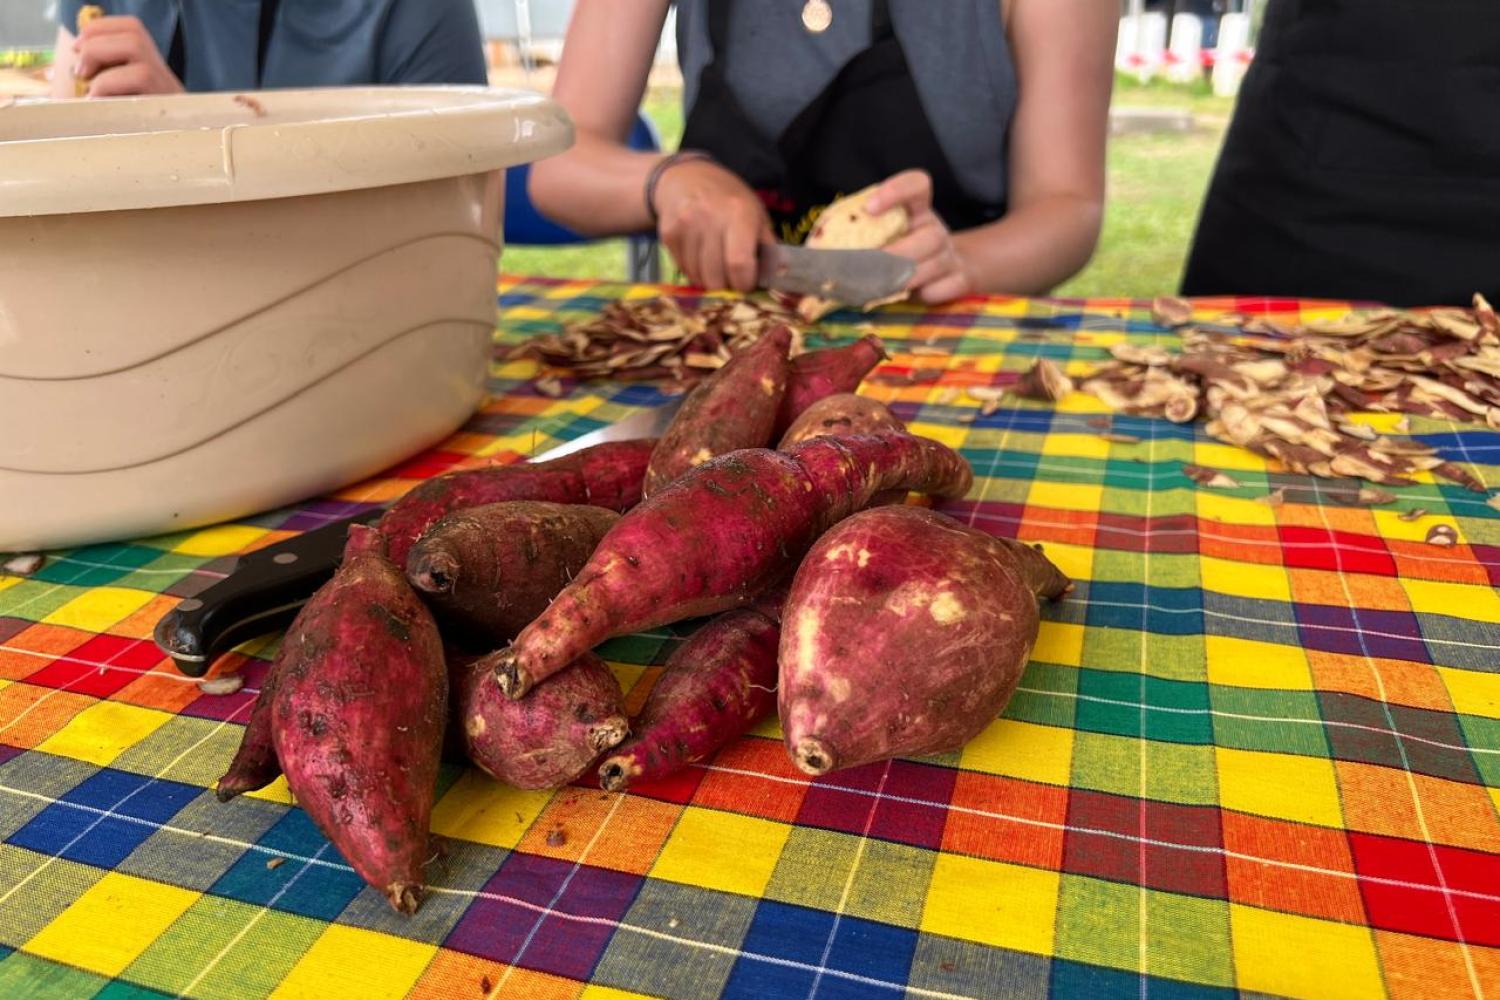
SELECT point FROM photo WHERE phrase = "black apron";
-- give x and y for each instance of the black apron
(865, 126)
(1363, 161)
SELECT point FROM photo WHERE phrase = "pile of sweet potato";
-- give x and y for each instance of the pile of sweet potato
(465, 620)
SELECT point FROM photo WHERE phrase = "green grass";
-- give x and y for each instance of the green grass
(1156, 185)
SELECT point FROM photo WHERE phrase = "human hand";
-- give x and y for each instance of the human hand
(712, 223)
(118, 57)
(942, 274)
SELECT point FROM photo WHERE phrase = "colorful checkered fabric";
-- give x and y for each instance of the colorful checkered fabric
(1258, 750)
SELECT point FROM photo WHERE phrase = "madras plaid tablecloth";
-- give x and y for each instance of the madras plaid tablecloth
(1258, 750)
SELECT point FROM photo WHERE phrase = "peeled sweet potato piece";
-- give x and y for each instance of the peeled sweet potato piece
(489, 570)
(847, 224)
(717, 537)
(606, 475)
(357, 717)
(550, 737)
(735, 407)
(818, 374)
(714, 687)
(905, 634)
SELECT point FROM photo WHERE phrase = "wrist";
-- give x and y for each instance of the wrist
(653, 179)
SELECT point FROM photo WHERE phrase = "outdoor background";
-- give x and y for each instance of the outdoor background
(1165, 138)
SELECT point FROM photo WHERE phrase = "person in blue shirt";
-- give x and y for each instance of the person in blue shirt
(170, 46)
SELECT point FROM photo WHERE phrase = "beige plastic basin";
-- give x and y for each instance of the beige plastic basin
(213, 305)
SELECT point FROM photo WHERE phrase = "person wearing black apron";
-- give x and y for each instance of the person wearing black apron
(1363, 161)
(868, 125)
(940, 128)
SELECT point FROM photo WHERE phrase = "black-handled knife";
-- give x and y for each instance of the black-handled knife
(261, 595)
(266, 588)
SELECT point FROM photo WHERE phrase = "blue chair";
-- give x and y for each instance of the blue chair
(525, 226)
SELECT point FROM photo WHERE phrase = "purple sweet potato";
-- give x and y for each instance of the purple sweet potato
(717, 537)
(606, 475)
(357, 717)
(714, 687)
(840, 415)
(905, 634)
(489, 570)
(733, 408)
(549, 738)
(255, 765)
(817, 374)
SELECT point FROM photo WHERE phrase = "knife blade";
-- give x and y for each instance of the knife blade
(267, 587)
(853, 277)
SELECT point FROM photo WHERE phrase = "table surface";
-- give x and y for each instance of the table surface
(1257, 750)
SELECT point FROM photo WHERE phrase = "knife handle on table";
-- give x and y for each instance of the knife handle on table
(262, 594)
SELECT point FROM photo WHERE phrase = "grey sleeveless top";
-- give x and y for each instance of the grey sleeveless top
(957, 50)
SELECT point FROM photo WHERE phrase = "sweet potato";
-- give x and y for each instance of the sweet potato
(255, 765)
(606, 475)
(717, 537)
(841, 414)
(357, 717)
(905, 634)
(735, 407)
(714, 687)
(489, 570)
(818, 374)
(552, 736)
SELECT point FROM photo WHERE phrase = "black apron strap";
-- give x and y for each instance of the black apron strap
(263, 38)
(176, 54)
(866, 125)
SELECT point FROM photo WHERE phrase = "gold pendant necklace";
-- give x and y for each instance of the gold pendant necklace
(817, 16)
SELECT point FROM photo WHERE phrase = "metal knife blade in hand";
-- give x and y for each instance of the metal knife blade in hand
(853, 277)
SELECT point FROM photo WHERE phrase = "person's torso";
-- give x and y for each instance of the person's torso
(959, 58)
(312, 43)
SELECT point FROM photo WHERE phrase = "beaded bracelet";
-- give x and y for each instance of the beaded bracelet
(681, 156)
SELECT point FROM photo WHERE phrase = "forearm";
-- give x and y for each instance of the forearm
(596, 188)
(1034, 248)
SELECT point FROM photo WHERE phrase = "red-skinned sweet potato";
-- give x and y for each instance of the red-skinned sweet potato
(840, 415)
(606, 475)
(255, 765)
(733, 408)
(714, 687)
(489, 570)
(818, 374)
(552, 736)
(719, 536)
(357, 717)
(905, 634)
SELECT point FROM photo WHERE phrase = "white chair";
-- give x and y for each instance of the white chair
(1233, 54)
(1141, 45)
(1184, 62)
